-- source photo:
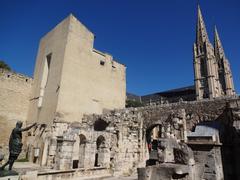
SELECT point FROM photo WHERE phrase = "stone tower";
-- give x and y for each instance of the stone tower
(71, 78)
(212, 72)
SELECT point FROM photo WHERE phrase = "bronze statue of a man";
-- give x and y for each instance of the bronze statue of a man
(15, 144)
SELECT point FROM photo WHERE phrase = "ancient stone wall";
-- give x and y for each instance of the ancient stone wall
(131, 127)
(119, 139)
(14, 101)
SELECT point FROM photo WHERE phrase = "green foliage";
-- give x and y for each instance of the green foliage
(133, 103)
(22, 160)
(3, 65)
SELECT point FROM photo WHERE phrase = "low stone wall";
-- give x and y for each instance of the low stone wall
(67, 174)
(132, 125)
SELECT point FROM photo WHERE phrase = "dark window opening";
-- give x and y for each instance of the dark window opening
(49, 57)
(203, 67)
(100, 125)
(96, 160)
(75, 164)
(102, 62)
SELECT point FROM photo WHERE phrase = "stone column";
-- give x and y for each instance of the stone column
(184, 125)
(90, 151)
(45, 152)
(104, 156)
(52, 152)
(119, 155)
(64, 153)
(218, 162)
(140, 141)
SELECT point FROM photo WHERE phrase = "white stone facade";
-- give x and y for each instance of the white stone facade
(71, 78)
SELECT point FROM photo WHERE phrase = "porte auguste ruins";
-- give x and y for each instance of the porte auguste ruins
(78, 98)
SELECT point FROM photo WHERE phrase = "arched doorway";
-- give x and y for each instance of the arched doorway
(101, 154)
(153, 133)
(82, 147)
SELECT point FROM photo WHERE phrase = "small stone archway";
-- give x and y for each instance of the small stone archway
(82, 150)
(170, 123)
(152, 133)
(102, 155)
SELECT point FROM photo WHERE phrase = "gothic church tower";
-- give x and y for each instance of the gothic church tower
(224, 70)
(212, 72)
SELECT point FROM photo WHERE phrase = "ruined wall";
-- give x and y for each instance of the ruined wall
(131, 127)
(14, 100)
(124, 137)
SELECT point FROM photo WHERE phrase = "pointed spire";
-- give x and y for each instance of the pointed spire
(202, 35)
(218, 48)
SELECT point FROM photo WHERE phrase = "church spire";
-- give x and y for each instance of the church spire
(202, 35)
(218, 48)
(224, 70)
(212, 73)
(205, 65)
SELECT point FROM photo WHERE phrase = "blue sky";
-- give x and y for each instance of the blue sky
(153, 38)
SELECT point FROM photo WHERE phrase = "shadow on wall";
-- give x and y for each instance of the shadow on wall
(226, 137)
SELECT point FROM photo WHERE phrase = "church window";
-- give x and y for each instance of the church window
(203, 67)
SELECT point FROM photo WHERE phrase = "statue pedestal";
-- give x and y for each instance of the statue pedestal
(8, 175)
(10, 178)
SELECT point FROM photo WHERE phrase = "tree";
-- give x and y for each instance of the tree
(133, 103)
(5, 66)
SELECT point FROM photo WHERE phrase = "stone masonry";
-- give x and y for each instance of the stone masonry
(119, 139)
(14, 101)
(213, 76)
(78, 100)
